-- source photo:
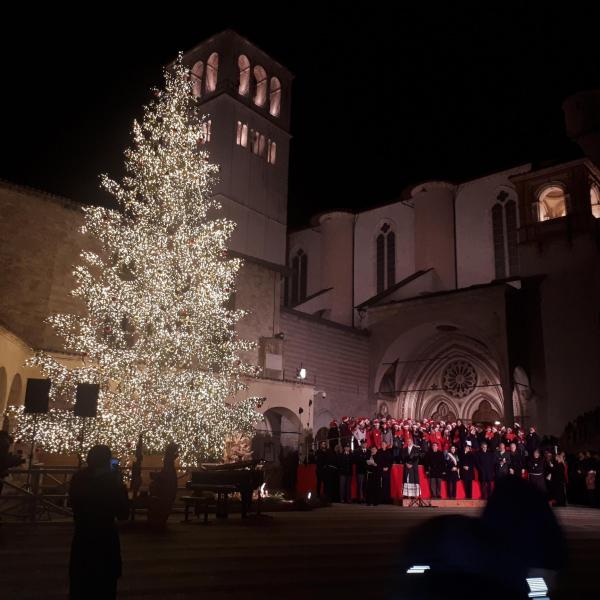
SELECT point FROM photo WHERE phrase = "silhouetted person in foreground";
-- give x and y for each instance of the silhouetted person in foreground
(8, 460)
(98, 497)
(467, 548)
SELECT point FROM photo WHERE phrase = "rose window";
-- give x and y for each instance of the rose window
(459, 378)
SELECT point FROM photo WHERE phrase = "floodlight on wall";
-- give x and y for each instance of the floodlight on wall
(301, 373)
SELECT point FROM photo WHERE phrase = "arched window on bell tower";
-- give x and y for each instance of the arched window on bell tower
(212, 72)
(244, 67)
(196, 75)
(299, 277)
(385, 250)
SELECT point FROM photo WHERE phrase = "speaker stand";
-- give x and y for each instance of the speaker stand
(31, 452)
(81, 441)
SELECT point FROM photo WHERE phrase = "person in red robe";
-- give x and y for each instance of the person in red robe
(375, 436)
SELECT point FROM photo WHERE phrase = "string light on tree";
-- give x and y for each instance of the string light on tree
(158, 336)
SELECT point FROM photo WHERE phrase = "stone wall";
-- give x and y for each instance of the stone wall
(336, 359)
(39, 245)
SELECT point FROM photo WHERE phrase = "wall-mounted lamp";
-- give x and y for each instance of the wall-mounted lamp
(301, 373)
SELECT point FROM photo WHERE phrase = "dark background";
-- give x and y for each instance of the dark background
(382, 98)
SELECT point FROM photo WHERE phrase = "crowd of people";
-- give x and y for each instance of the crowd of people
(449, 452)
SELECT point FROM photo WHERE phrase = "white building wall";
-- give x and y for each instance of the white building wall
(252, 191)
(401, 217)
(474, 236)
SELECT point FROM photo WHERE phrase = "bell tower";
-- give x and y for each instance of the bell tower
(245, 95)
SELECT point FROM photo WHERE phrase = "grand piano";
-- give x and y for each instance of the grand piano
(243, 477)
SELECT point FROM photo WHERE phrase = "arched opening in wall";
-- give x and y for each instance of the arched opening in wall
(441, 360)
(272, 152)
(275, 97)
(512, 237)
(212, 72)
(299, 277)
(280, 434)
(485, 413)
(196, 74)
(552, 203)
(595, 200)
(244, 67)
(3, 384)
(444, 413)
(241, 138)
(498, 234)
(504, 231)
(321, 435)
(262, 145)
(385, 248)
(14, 396)
(387, 387)
(205, 131)
(260, 82)
(521, 394)
(254, 139)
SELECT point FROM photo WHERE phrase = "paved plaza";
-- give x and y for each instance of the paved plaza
(324, 553)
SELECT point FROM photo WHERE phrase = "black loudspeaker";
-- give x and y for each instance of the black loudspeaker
(86, 399)
(37, 396)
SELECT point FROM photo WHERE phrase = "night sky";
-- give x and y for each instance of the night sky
(381, 98)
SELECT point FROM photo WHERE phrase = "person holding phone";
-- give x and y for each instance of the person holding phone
(98, 497)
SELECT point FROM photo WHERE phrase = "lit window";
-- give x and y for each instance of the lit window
(197, 72)
(212, 70)
(552, 203)
(241, 134)
(275, 97)
(205, 131)
(260, 77)
(595, 200)
(272, 152)
(244, 66)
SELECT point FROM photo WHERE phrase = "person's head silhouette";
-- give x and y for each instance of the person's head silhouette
(98, 457)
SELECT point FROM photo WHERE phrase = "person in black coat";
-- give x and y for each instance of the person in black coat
(98, 497)
(452, 472)
(467, 471)
(385, 462)
(535, 471)
(516, 462)
(486, 464)
(373, 478)
(344, 464)
(532, 441)
(554, 473)
(361, 455)
(435, 463)
(502, 461)
(322, 458)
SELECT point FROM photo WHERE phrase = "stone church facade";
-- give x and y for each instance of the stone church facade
(480, 299)
(476, 299)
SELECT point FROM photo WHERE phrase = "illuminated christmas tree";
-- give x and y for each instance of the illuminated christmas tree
(159, 336)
